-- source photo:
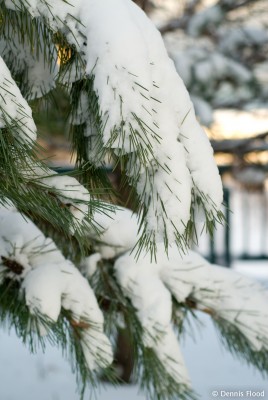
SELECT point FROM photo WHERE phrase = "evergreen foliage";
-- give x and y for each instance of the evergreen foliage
(41, 46)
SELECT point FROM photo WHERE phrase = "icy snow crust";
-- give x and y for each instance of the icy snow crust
(145, 109)
(51, 282)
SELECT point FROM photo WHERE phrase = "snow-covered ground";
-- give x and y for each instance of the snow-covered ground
(48, 376)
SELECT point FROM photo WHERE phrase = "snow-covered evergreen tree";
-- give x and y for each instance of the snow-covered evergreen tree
(73, 267)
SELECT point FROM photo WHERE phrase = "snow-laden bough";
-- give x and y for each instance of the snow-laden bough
(148, 114)
(152, 300)
(118, 231)
(231, 296)
(50, 282)
(35, 63)
(228, 297)
(221, 292)
(16, 120)
(14, 110)
(142, 112)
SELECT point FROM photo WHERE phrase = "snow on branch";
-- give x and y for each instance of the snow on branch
(152, 300)
(237, 304)
(16, 121)
(146, 113)
(230, 296)
(142, 111)
(60, 15)
(15, 113)
(118, 231)
(50, 282)
(32, 57)
(69, 193)
(230, 299)
(68, 190)
(226, 294)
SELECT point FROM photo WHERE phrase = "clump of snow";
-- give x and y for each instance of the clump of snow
(228, 295)
(66, 188)
(14, 110)
(41, 78)
(50, 287)
(217, 66)
(35, 63)
(60, 15)
(140, 282)
(70, 192)
(51, 282)
(118, 231)
(89, 264)
(139, 90)
(231, 296)
(21, 241)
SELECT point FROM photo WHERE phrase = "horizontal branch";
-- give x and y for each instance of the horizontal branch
(234, 5)
(241, 146)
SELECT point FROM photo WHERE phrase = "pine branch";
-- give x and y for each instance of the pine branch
(238, 345)
(149, 370)
(65, 334)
